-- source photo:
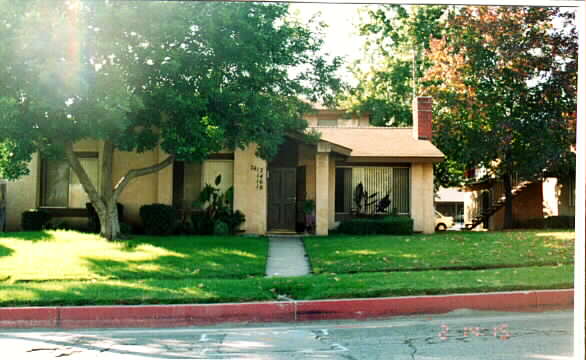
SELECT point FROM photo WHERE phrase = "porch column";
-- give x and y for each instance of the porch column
(332, 194)
(322, 191)
(422, 198)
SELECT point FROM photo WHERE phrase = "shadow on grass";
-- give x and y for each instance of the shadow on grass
(4, 251)
(32, 236)
(185, 258)
(134, 292)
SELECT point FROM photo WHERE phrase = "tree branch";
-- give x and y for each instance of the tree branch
(82, 175)
(132, 174)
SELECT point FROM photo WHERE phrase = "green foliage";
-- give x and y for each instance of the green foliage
(191, 77)
(396, 37)
(233, 219)
(388, 225)
(34, 219)
(551, 222)
(308, 207)
(58, 225)
(218, 207)
(221, 228)
(125, 228)
(202, 223)
(560, 222)
(209, 75)
(504, 85)
(158, 219)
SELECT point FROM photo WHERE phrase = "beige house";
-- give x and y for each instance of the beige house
(397, 162)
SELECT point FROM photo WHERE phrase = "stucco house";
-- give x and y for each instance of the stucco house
(538, 199)
(388, 161)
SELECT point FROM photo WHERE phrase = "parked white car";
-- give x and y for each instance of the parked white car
(443, 223)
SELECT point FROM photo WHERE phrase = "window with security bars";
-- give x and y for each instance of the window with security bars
(380, 186)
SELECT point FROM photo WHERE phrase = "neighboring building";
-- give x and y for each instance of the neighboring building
(531, 200)
(450, 202)
(388, 161)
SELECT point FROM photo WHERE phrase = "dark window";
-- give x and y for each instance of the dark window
(61, 187)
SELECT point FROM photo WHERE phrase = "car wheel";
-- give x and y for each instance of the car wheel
(441, 227)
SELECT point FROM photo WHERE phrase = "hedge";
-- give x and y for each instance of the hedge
(389, 225)
(158, 219)
(34, 219)
(552, 222)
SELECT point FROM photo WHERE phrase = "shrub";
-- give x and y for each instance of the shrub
(560, 222)
(535, 223)
(388, 225)
(94, 220)
(59, 225)
(202, 223)
(221, 228)
(233, 219)
(552, 222)
(34, 219)
(158, 219)
(125, 228)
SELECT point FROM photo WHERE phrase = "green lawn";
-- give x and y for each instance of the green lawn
(70, 255)
(449, 250)
(189, 290)
(70, 268)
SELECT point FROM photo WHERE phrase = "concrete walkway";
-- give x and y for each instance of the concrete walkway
(287, 257)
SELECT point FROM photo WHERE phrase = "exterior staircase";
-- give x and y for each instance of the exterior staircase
(496, 206)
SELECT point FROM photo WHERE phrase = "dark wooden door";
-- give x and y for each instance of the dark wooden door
(282, 200)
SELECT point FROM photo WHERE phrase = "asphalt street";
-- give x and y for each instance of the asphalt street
(462, 334)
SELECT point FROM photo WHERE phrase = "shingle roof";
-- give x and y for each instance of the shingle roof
(380, 142)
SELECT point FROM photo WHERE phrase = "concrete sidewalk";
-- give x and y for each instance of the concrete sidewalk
(287, 257)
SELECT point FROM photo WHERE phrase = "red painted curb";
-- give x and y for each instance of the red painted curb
(205, 314)
(29, 317)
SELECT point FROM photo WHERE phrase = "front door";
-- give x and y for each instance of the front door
(281, 198)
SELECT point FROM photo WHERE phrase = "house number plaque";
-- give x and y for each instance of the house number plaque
(259, 173)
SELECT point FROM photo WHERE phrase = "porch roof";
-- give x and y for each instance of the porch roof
(381, 142)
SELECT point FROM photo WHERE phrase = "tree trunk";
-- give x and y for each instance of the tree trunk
(105, 204)
(508, 201)
(109, 223)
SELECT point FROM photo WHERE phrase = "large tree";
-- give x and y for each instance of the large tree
(190, 77)
(504, 86)
(396, 38)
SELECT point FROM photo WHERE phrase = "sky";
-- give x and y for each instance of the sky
(341, 37)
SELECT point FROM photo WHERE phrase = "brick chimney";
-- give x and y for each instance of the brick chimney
(422, 117)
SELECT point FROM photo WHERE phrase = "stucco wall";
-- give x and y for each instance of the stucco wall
(342, 119)
(322, 202)
(140, 191)
(250, 189)
(422, 197)
(22, 195)
(528, 205)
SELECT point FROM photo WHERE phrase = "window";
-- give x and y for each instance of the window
(377, 182)
(61, 187)
(327, 122)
